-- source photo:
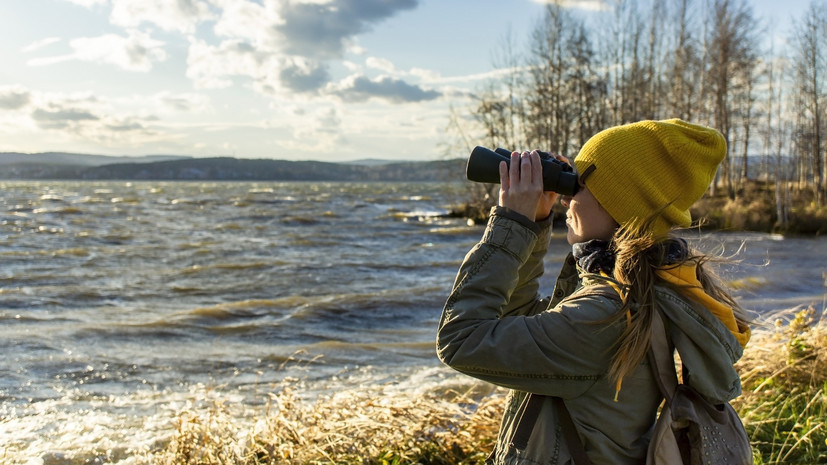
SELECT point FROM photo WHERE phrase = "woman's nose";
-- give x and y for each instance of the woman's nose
(565, 199)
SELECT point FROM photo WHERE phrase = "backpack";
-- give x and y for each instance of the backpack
(690, 430)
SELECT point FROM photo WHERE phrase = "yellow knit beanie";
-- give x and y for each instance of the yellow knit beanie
(636, 169)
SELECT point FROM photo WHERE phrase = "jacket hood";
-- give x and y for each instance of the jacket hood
(686, 278)
(706, 335)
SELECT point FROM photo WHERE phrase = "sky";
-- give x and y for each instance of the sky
(328, 80)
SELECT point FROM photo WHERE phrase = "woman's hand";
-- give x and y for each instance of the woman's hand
(521, 187)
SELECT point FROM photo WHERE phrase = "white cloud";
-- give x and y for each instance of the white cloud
(136, 52)
(426, 75)
(170, 105)
(285, 46)
(380, 64)
(357, 88)
(185, 102)
(14, 97)
(170, 15)
(104, 129)
(251, 21)
(351, 66)
(259, 49)
(56, 116)
(87, 3)
(84, 118)
(355, 48)
(325, 30)
(303, 75)
(39, 44)
(317, 132)
(212, 67)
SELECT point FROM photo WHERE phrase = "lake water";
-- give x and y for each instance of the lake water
(119, 301)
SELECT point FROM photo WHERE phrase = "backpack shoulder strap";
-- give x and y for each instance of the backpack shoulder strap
(576, 449)
(528, 417)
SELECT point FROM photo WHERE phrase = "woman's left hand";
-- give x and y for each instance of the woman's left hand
(521, 187)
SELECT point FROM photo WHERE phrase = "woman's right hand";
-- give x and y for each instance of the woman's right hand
(521, 187)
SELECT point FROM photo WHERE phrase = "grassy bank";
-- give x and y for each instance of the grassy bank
(784, 400)
(784, 407)
(755, 208)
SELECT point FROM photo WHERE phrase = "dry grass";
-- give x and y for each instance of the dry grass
(754, 209)
(367, 426)
(784, 407)
(784, 400)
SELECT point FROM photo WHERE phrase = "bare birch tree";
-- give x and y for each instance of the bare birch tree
(684, 67)
(549, 108)
(811, 72)
(731, 48)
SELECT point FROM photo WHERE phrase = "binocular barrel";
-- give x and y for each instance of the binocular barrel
(483, 166)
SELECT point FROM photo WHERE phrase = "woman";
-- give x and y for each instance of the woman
(583, 344)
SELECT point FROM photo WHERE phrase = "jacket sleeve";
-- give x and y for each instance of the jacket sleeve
(495, 328)
(524, 298)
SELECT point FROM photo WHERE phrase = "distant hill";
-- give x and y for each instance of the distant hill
(91, 167)
(370, 162)
(78, 159)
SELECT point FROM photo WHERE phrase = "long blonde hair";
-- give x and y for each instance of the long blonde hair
(639, 254)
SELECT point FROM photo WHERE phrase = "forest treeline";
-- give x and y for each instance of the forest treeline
(711, 62)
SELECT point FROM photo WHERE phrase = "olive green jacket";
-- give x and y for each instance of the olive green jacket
(495, 327)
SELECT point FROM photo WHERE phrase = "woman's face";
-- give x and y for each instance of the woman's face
(586, 219)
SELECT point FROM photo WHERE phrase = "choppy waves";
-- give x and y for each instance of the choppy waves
(121, 297)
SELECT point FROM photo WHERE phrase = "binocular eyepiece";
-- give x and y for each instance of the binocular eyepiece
(483, 166)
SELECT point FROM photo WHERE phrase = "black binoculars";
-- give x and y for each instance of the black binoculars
(483, 166)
